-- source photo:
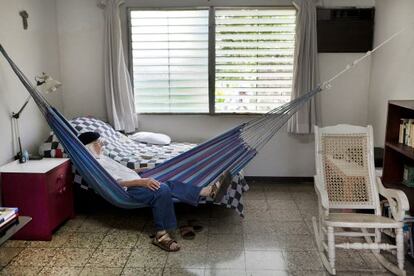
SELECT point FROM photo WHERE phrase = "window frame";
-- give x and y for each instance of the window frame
(211, 51)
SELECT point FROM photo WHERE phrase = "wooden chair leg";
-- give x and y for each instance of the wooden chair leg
(400, 247)
(377, 239)
(331, 248)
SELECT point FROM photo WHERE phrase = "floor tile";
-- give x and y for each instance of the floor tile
(371, 262)
(276, 238)
(229, 259)
(225, 272)
(183, 272)
(258, 215)
(303, 260)
(225, 242)
(261, 241)
(60, 271)
(304, 205)
(71, 257)
(72, 225)
(34, 257)
(142, 271)
(187, 259)
(109, 257)
(58, 240)
(217, 226)
(220, 212)
(120, 239)
(15, 243)
(349, 260)
(254, 195)
(260, 205)
(302, 187)
(20, 270)
(152, 258)
(309, 224)
(302, 196)
(282, 204)
(314, 273)
(291, 227)
(84, 240)
(309, 213)
(258, 260)
(255, 227)
(295, 242)
(7, 254)
(267, 273)
(96, 225)
(286, 215)
(275, 195)
(276, 187)
(101, 271)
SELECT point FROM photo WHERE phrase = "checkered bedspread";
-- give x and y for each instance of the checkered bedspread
(137, 155)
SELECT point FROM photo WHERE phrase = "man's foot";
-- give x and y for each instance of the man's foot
(163, 240)
(219, 189)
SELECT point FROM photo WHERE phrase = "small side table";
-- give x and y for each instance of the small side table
(41, 189)
(19, 224)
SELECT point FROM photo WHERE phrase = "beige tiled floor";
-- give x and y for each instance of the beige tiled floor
(275, 238)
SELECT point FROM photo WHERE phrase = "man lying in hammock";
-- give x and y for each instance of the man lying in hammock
(159, 196)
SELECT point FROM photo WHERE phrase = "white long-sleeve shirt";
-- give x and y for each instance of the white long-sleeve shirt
(118, 171)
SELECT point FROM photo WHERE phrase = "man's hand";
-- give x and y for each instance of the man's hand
(150, 183)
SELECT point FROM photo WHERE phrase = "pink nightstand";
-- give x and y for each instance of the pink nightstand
(41, 189)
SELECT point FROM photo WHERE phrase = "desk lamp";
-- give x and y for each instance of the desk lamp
(46, 84)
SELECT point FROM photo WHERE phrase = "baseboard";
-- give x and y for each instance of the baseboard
(280, 179)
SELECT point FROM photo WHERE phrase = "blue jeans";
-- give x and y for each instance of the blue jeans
(161, 201)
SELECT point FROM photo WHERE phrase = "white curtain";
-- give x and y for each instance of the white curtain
(305, 67)
(118, 89)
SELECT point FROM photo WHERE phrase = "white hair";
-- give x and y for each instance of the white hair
(92, 150)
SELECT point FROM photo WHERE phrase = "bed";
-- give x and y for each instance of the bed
(136, 155)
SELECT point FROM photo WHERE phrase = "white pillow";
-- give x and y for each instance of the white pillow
(151, 138)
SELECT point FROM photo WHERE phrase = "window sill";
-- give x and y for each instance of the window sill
(206, 114)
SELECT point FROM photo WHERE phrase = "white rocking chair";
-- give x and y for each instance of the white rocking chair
(345, 179)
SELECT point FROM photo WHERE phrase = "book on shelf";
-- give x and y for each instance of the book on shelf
(408, 176)
(8, 214)
(406, 135)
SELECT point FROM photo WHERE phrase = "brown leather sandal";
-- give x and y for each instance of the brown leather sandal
(164, 242)
(196, 226)
(187, 232)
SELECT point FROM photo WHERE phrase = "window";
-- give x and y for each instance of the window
(247, 60)
(170, 60)
(254, 59)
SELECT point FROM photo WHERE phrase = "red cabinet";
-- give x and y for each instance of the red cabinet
(41, 189)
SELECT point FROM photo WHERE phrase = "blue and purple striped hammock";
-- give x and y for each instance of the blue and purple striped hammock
(200, 166)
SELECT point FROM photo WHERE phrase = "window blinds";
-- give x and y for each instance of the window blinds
(170, 60)
(254, 59)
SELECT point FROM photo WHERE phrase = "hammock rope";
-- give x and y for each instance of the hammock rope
(202, 165)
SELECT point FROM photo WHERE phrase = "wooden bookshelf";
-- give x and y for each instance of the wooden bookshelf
(396, 155)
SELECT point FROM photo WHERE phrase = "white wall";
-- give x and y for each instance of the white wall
(392, 72)
(80, 27)
(81, 35)
(34, 50)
